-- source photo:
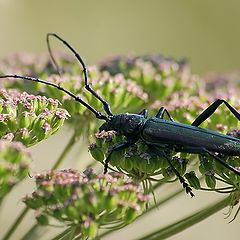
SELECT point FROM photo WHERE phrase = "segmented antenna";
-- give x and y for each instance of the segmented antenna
(88, 87)
(98, 114)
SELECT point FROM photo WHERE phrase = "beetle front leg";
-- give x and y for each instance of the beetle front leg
(116, 147)
(161, 112)
(211, 109)
(144, 113)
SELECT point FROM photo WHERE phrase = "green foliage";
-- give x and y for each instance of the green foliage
(138, 161)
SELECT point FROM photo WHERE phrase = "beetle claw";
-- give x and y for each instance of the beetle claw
(186, 186)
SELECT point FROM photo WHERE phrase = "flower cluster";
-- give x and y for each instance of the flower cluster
(223, 83)
(130, 83)
(138, 161)
(14, 165)
(142, 163)
(32, 64)
(159, 76)
(86, 200)
(28, 118)
(214, 171)
(122, 94)
(186, 109)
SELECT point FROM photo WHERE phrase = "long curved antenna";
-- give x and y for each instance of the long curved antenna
(54, 63)
(98, 114)
(88, 87)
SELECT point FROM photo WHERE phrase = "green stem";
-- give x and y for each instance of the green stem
(63, 234)
(69, 234)
(65, 152)
(187, 222)
(26, 209)
(32, 233)
(15, 224)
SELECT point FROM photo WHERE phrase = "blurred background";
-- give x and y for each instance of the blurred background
(207, 33)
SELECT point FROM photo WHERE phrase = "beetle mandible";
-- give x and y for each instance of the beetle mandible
(155, 131)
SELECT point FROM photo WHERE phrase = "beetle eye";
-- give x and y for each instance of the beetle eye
(110, 118)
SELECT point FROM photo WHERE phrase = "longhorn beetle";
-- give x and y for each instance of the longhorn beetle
(156, 132)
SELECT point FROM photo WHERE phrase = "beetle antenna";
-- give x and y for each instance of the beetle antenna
(98, 114)
(88, 87)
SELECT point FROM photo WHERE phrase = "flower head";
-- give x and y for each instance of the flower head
(29, 118)
(159, 76)
(142, 163)
(86, 200)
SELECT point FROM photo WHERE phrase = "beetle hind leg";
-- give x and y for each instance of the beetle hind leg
(211, 109)
(225, 164)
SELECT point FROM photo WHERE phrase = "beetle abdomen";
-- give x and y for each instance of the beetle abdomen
(158, 131)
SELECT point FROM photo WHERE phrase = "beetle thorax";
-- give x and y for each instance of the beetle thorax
(125, 124)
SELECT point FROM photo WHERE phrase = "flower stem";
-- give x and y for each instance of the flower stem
(69, 234)
(26, 209)
(187, 222)
(63, 234)
(34, 232)
(15, 224)
(65, 152)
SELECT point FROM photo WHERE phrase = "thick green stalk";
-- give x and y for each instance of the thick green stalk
(25, 210)
(187, 222)
(65, 152)
(70, 234)
(15, 224)
(34, 232)
(65, 233)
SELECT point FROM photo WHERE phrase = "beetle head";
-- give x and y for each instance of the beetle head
(126, 124)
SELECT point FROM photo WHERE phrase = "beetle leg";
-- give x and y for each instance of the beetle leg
(144, 113)
(225, 164)
(181, 179)
(161, 112)
(116, 147)
(211, 109)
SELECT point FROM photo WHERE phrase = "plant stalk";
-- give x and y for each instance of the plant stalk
(187, 222)
(15, 224)
(65, 233)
